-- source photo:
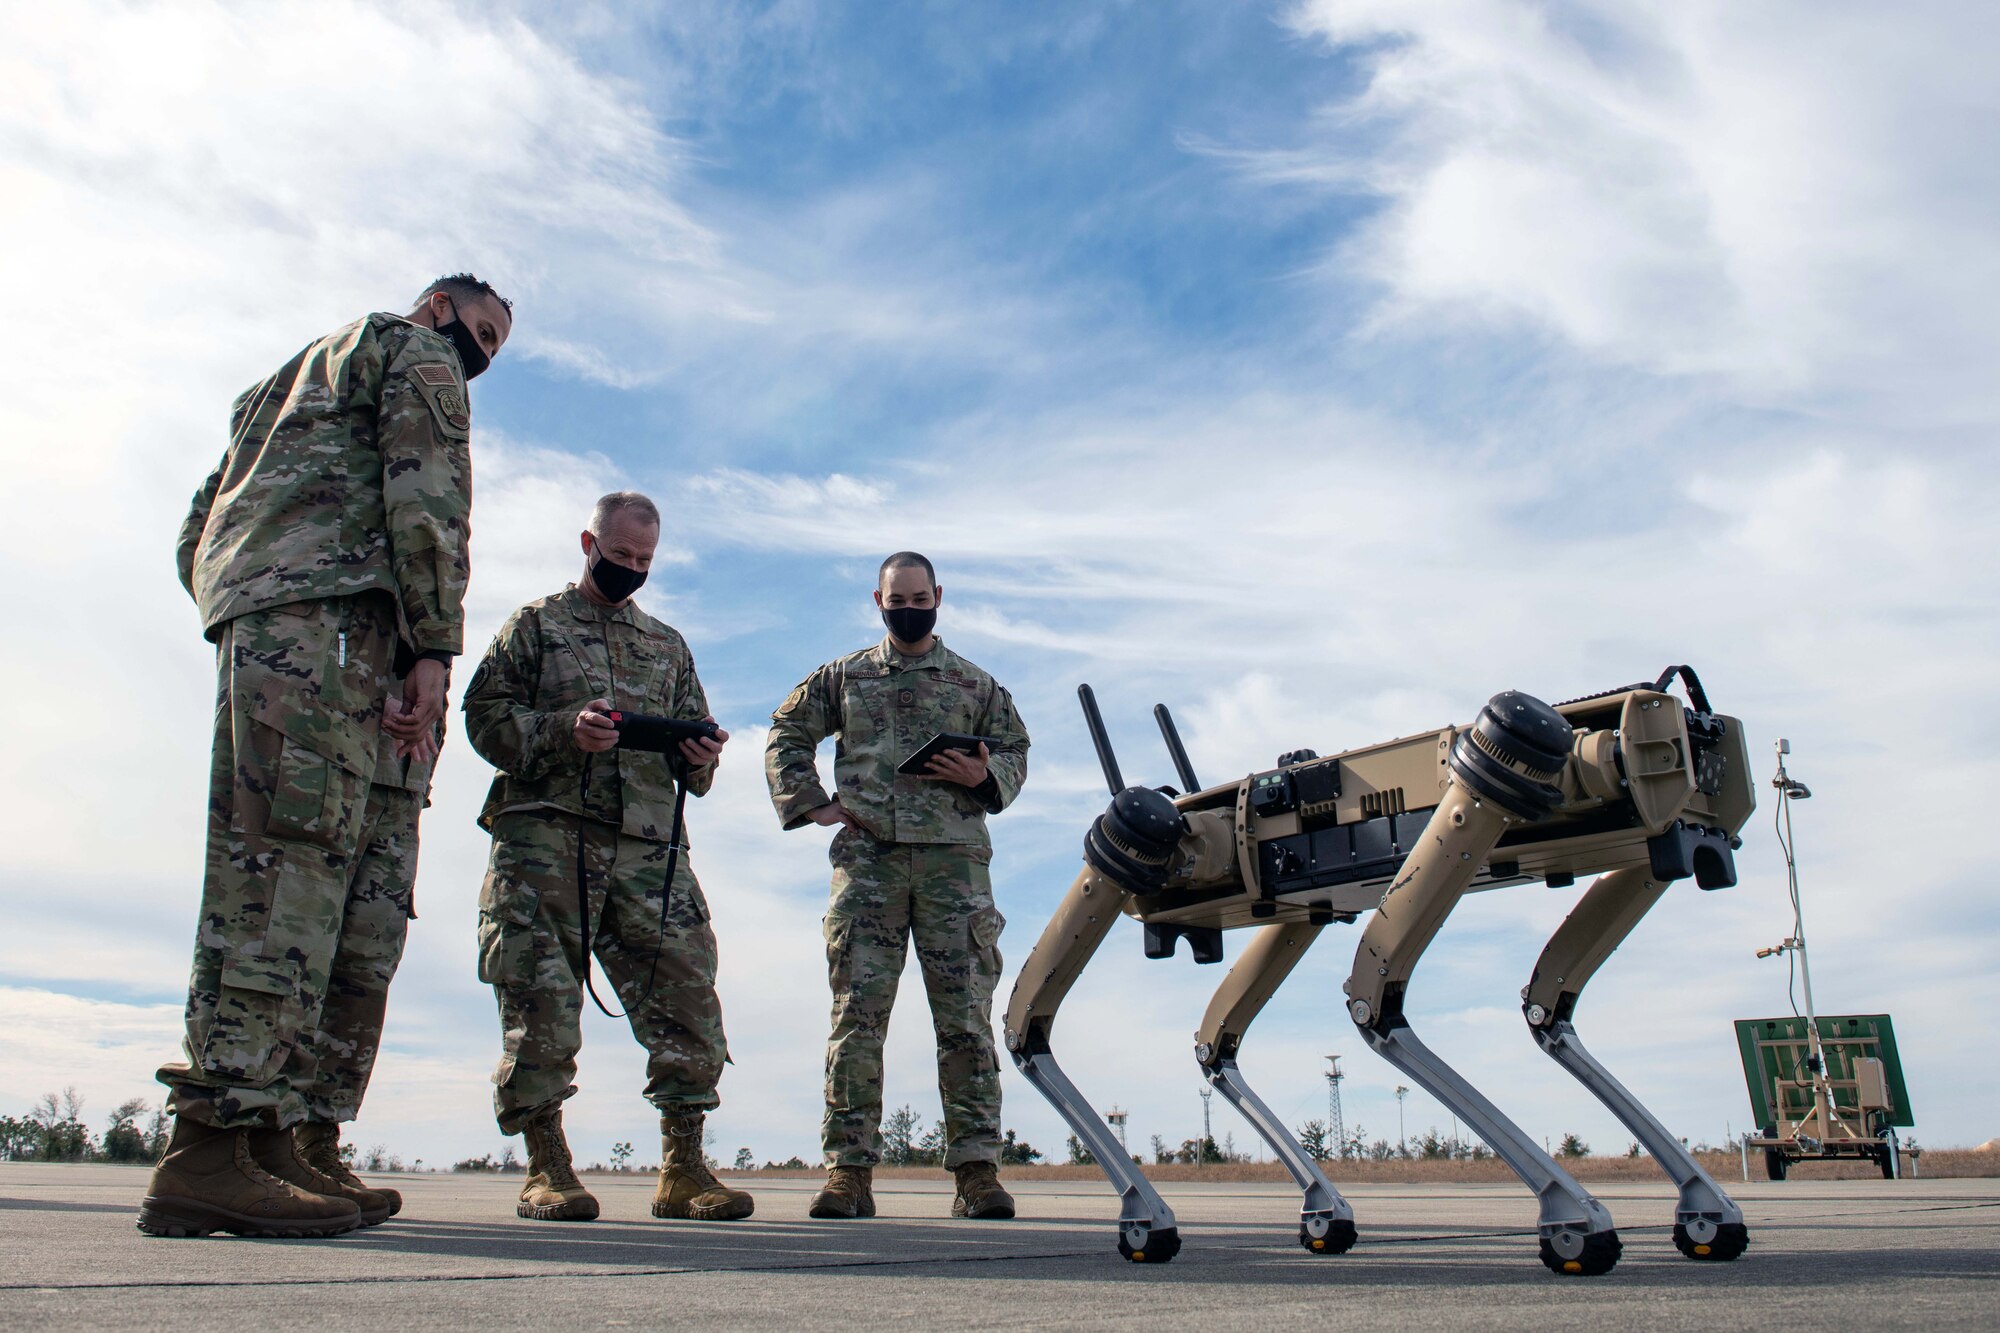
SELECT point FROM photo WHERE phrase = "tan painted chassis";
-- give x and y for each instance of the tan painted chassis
(1636, 787)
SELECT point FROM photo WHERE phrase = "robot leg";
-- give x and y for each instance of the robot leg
(1501, 770)
(1326, 1220)
(1707, 1223)
(1127, 847)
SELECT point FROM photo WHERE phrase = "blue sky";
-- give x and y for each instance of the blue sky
(1318, 369)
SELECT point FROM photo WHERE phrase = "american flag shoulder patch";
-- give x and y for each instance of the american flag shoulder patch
(435, 372)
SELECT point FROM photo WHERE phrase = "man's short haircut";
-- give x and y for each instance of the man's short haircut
(906, 560)
(619, 502)
(464, 287)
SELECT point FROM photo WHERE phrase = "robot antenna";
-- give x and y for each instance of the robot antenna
(1095, 721)
(1175, 750)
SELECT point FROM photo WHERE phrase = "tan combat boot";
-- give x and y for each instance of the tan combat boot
(849, 1192)
(687, 1187)
(979, 1192)
(319, 1148)
(276, 1150)
(208, 1181)
(553, 1193)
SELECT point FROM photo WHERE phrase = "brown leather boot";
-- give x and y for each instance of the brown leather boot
(849, 1192)
(552, 1193)
(276, 1150)
(979, 1192)
(687, 1187)
(319, 1148)
(208, 1181)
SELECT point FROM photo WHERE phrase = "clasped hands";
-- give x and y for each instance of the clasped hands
(412, 721)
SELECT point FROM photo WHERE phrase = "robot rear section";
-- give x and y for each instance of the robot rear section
(1327, 835)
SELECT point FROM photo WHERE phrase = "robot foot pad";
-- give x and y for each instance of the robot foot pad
(1336, 1236)
(1592, 1256)
(1731, 1239)
(1155, 1247)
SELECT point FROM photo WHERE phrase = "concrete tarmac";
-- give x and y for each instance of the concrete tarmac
(1882, 1254)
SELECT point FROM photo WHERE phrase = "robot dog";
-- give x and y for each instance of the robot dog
(1631, 785)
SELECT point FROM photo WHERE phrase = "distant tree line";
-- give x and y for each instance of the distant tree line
(906, 1143)
(54, 1131)
(135, 1133)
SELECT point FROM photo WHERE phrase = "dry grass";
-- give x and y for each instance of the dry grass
(1724, 1166)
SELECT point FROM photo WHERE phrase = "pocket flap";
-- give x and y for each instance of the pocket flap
(266, 976)
(987, 923)
(334, 738)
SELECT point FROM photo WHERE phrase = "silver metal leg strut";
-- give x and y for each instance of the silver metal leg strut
(1703, 1208)
(1708, 1224)
(1325, 1217)
(1142, 1213)
(1569, 1213)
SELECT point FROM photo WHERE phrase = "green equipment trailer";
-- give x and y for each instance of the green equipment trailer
(1846, 1101)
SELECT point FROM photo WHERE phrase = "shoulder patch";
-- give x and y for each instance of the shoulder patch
(438, 384)
(792, 700)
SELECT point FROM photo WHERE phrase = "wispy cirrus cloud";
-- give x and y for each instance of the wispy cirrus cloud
(1791, 201)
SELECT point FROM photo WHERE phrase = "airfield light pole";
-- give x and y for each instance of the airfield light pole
(1402, 1136)
(1336, 1127)
(1207, 1135)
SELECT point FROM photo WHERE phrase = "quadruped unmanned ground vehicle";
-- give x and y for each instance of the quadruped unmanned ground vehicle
(1632, 785)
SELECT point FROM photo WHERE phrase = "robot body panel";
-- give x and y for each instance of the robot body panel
(1630, 785)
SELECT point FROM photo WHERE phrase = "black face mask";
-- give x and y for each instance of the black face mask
(614, 580)
(910, 623)
(470, 354)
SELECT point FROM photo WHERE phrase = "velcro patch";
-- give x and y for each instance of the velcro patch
(435, 372)
(445, 400)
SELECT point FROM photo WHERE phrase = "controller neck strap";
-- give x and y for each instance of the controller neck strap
(674, 849)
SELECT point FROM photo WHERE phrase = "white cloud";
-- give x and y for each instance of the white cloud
(1284, 568)
(1377, 586)
(1789, 199)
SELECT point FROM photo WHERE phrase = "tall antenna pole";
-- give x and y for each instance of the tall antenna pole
(1336, 1125)
(1789, 790)
(1207, 1134)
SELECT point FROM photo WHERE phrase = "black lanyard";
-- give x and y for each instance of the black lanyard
(674, 850)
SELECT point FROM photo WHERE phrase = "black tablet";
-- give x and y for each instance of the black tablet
(916, 764)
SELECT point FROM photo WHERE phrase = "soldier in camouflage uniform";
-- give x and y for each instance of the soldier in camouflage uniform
(570, 804)
(909, 860)
(327, 554)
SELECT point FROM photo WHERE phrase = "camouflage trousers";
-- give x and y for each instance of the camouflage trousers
(531, 953)
(884, 894)
(310, 868)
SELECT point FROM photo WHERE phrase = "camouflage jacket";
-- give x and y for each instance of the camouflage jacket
(552, 657)
(883, 706)
(348, 469)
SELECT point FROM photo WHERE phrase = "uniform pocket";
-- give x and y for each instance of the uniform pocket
(256, 1020)
(987, 923)
(689, 900)
(523, 844)
(287, 790)
(506, 951)
(301, 784)
(839, 930)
